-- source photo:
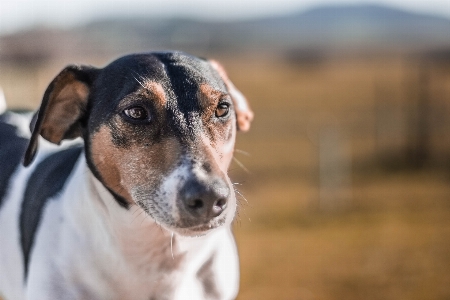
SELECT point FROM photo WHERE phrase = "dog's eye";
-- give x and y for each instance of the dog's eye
(136, 113)
(222, 110)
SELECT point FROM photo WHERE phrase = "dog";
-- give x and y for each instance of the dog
(128, 196)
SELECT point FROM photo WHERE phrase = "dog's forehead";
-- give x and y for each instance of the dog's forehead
(179, 73)
(187, 71)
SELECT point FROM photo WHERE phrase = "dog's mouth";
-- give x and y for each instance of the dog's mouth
(185, 226)
(200, 229)
(209, 226)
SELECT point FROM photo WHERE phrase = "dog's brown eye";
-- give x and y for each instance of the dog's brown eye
(222, 110)
(136, 113)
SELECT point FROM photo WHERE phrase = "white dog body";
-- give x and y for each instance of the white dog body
(124, 251)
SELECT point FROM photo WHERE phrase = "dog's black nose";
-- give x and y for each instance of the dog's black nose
(205, 200)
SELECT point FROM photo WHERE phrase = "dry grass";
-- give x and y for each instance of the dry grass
(392, 238)
(392, 243)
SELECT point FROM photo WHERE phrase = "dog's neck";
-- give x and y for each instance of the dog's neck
(133, 232)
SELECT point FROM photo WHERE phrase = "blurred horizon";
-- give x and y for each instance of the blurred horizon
(312, 34)
(22, 15)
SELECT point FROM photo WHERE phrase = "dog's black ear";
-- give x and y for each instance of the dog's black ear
(244, 114)
(62, 109)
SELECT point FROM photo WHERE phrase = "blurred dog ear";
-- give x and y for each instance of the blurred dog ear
(243, 112)
(62, 109)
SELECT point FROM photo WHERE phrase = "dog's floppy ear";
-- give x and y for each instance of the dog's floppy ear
(243, 112)
(63, 107)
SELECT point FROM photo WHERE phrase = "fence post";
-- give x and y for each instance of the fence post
(335, 189)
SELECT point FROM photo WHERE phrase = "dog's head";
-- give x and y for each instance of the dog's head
(159, 132)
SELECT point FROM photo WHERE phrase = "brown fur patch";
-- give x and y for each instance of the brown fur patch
(139, 166)
(157, 91)
(65, 106)
(105, 158)
(208, 96)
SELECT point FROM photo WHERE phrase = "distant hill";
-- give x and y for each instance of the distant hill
(327, 28)
(356, 26)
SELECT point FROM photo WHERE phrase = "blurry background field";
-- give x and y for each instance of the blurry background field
(346, 170)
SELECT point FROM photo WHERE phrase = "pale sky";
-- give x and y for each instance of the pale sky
(19, 14)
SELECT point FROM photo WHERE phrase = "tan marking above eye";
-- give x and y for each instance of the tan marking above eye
(209, 96)
(157, 91)
(148, 90)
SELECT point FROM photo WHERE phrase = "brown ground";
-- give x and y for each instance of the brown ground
(393, 242)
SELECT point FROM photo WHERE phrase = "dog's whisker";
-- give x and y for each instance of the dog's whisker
(241, 207)
(241, 203)
(145, 217)
(241, 165)
(240, 194)
(137, 80)
(171, 245)
(245, 213)
(242, 152)
(140, 83)
(137, 217)
(238, 218)
(136, 210)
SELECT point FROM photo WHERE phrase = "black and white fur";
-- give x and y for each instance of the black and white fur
(128, 196)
